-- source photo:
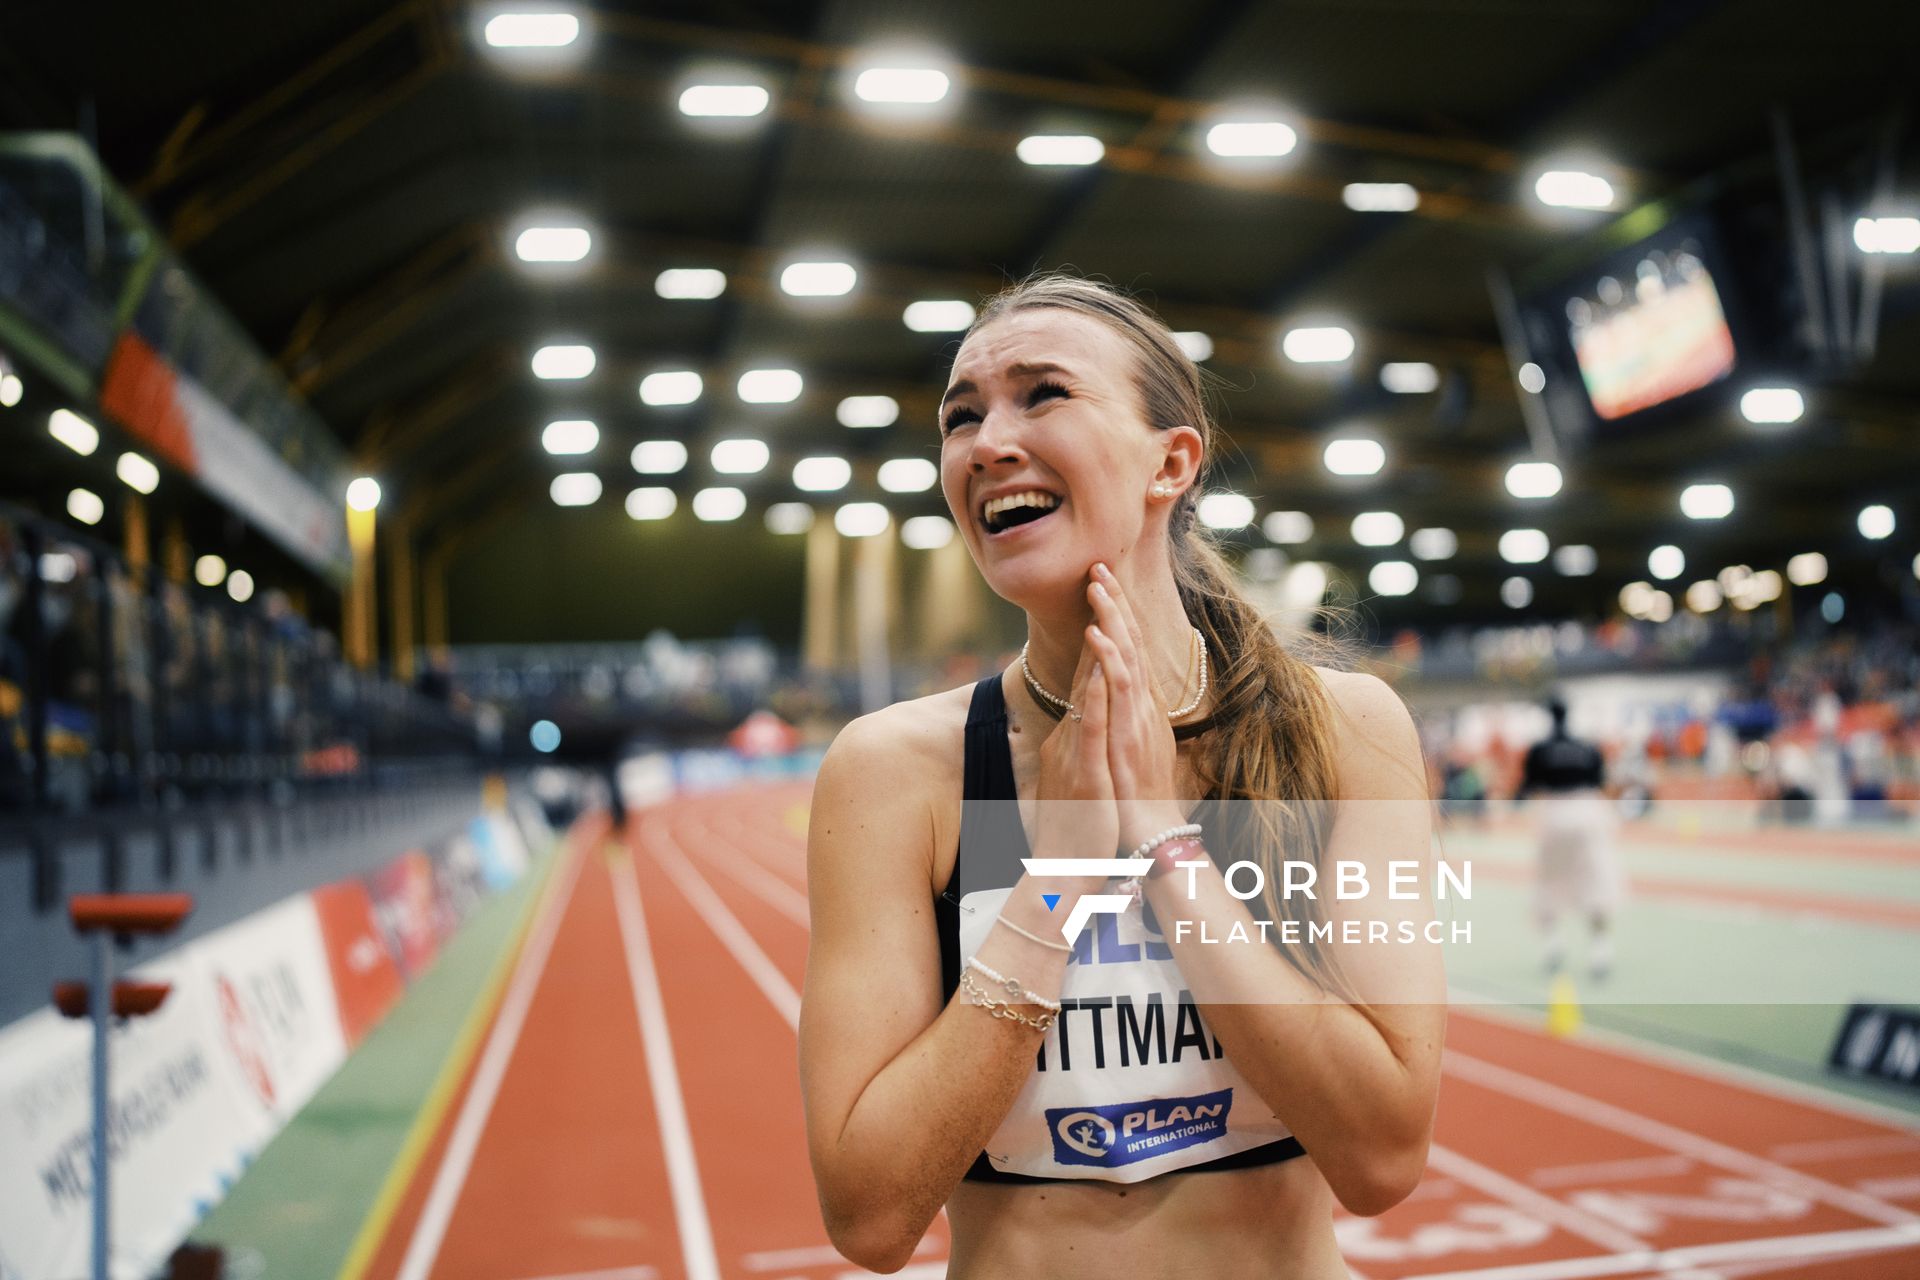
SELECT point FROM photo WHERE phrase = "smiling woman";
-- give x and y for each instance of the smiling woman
(953, 1046)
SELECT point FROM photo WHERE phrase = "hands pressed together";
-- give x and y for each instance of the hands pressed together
(1115, 755)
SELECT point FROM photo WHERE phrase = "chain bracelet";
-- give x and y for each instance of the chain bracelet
(978, 995)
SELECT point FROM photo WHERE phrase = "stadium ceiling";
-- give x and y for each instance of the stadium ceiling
(349, 178)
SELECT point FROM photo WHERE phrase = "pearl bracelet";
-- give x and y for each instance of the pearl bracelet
(1012, 987)
(1171, 833)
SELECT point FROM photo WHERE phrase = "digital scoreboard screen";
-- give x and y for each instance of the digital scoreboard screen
(1650, 331)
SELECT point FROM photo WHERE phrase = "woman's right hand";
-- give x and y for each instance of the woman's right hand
(1078, 816)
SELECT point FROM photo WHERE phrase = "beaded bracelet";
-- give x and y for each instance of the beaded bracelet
(1172, 853)
(977, 994)
(1148, 845)
(1013, 989)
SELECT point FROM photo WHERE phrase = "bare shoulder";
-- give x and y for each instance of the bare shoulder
(890, 781)
(1376, 744)
(908, 743)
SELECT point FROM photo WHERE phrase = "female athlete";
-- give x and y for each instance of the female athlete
(1152, 1096)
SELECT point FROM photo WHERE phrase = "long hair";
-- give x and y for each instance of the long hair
(1272, 739)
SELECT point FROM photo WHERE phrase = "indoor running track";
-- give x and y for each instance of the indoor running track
(633, 1113)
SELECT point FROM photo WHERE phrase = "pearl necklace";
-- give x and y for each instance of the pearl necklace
(1063, 707)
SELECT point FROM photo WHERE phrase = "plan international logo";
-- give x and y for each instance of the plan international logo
(1245, 880)
(1127, 1132)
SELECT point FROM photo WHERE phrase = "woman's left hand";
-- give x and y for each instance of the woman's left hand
(1140, 745)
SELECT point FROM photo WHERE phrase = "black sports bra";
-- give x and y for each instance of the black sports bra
(992, 842)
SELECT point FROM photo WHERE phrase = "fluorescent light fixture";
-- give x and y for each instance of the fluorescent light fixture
(1393, 578)
(1704, 596)
(908, 475)
(58, 566)
(1305, 585)
(821, 474)
(1378, 528)
(1239, 139)
(1060, 149)
(670, 387)
(85, 506)
(740, 457)
(818, 279)
(1516, 593)
(1635, 597)
(1706, 501)
(1350, 456)
(1575, 560)
(575, 489)
(1287, 528)
(652, 502)
(1380, 197)
(563, 363)
(1887, 235)
(861, 519)
(1523, 546)
(770, 386)
(901, 86)
(552, 30)
(137, 472)
(1225, 511)
(868, 411)
(209, 571)
(11, 389)
(659, 457)
(1733, 578)
(927, 533)
(363, 494)
(1875, 522)
(1769, 405)
(240, 586)
(1573, 189)
(570, 436)
(1659, 607)
(1667, 562)
(73, 431)
(1807, 569)
(1433, 544)
(1197, 345)
(789, 518)
(1766, 586)
(553, 244)
(1533, 479)
(948, 315)
(1532, 378)
(716, 506)
(1409, 377)
(1328, 344)
(690, 282)
(731, 101)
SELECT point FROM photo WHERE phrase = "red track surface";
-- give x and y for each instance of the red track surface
(1553, 1159)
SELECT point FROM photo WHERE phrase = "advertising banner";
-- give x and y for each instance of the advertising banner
(366, 980)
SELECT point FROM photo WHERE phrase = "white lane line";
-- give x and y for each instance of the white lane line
(820, 1255)
(1821, 1245)
(431, 1229)
(1531, 1202)
(1679, 1141)
(1879, 1144)
(1574, 1175)
(1488, 1007)
(773, 890)
(727, 927)
(669, 1104)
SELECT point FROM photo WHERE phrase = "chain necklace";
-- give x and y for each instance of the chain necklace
(1060, 706)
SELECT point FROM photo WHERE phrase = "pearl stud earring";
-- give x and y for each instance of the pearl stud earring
(1162, 491)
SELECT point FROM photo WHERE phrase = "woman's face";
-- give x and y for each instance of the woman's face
(1045, 457)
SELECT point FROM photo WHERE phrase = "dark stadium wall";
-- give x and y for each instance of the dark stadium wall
(558, 575)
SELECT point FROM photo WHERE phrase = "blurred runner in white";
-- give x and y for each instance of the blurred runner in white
(1578, 869)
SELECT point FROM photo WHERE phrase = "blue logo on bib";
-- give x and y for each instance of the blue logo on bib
(1125, 1132)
